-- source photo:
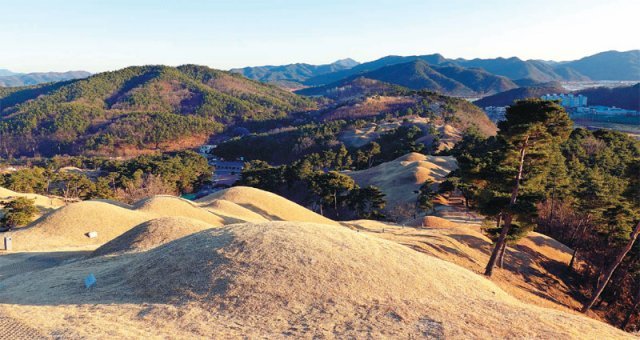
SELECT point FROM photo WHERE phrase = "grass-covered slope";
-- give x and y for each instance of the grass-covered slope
(136, 107)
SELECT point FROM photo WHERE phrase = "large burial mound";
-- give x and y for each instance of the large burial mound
(266, 204)
(400, 178)
(152, 234)
(278, 279)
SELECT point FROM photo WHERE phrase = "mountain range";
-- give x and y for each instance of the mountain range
(610, 65)
(419, 75)
(8, 78)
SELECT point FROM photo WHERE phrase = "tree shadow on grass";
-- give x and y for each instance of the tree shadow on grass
(192, 267)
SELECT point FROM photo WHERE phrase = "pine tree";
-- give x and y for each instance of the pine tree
(531, 127)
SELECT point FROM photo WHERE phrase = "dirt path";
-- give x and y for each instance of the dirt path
(11, 329)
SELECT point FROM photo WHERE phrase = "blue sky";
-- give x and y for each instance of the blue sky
(93, 35)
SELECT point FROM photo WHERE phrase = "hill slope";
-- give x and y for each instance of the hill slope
(284, 279)
(627, 97)
(137, 108)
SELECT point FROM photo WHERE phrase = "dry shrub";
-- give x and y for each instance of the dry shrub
(143, 187)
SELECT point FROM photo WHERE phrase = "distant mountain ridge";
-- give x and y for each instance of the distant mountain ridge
(610, 65)
(293, 73)
(10, 79)
(4, 72)
(619, 65)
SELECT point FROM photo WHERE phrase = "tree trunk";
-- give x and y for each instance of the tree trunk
(501, 256)
(573, 258)
(614, 265)
(553, 208)
(507, 217)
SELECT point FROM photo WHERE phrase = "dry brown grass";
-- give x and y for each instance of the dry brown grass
(268, 205)
(69, 226)
(280, 279)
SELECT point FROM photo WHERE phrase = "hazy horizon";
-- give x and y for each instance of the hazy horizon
(42, 36)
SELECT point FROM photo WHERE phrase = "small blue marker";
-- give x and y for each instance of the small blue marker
(90, 281)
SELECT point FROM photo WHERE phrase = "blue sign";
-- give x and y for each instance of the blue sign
(90, 281)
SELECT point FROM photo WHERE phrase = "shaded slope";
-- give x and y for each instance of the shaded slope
(328, 78)
(445, 79)
(508, 97)
(151, 234)
(627, 97)
(609, 65)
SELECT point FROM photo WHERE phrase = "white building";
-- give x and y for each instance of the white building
(567, 100)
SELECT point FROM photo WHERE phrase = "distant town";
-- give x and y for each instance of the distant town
(578, 108)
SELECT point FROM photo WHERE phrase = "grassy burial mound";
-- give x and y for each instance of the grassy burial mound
(278, 279)
(152, 234)
(398, 179)
(172, 206)
(69, 227)
(266, 204)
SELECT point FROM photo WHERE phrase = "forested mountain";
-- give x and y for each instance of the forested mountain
(516, 68)
(136, 108)
(353, 87)
(433, 59)
(508, 97)
(610, 65)
(627, 97)
(293, 74)
(453, 80)
(24, 79)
